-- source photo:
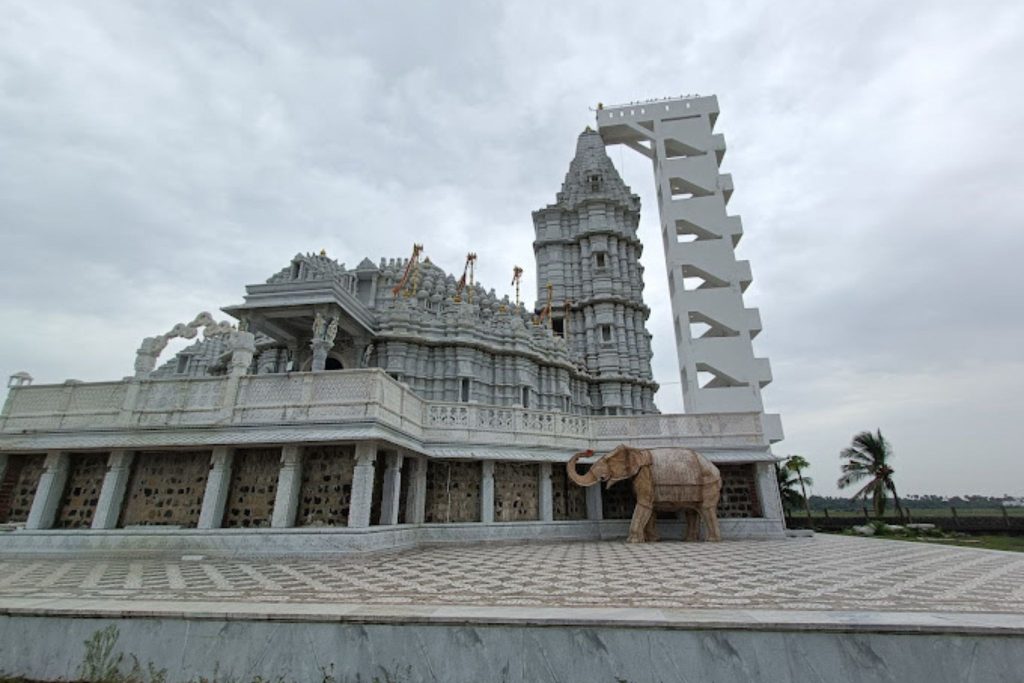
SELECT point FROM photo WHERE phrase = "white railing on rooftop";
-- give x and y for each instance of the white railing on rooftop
(345, 397)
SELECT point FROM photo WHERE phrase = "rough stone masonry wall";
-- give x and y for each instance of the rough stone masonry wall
(166, 488)
(739, 492)
(618, 501)
(568, 499)
(515, 491)
(326, 493)
(19, 487)
(250, 501)
(453, 491)
(85, 479)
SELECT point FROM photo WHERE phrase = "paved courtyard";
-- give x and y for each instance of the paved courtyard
(821, 573)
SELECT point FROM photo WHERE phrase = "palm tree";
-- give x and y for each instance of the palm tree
(787, 488)
(867, 457)
(797, 464)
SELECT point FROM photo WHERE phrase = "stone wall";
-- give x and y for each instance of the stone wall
(453, 491)
(516, 491)
(569, 500)
(253, 486)
(618, 501)
(739, 492)
(19, 486)
(326, 492)
(82, 492)
(166, 488)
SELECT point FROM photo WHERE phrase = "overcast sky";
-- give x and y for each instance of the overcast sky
(155, 157)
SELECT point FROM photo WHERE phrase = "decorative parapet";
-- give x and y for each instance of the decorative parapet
(366, 402)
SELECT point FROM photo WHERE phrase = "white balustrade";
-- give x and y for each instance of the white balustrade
(355, 396)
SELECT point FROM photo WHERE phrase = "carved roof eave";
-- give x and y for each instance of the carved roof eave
(305, 293)
(633, 206)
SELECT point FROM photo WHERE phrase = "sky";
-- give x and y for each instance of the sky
(156, 157)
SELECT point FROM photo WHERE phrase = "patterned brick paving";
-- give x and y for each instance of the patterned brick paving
(820, 573)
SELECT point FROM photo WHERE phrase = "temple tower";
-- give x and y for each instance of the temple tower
(588, 251)
(706, 282)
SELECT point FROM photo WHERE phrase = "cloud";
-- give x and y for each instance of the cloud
(154, 159)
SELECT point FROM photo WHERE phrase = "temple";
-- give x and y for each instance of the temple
(393, 403)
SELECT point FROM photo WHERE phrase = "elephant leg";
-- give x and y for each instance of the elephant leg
(692, 525)
(651, 529)
(714, 531)
(641, 513)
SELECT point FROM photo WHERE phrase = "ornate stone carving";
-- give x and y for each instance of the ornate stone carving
(151, 347)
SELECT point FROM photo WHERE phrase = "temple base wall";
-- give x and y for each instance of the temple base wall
(332, 540)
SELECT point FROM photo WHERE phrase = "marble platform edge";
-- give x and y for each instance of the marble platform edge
(821, 621)
(335, 540)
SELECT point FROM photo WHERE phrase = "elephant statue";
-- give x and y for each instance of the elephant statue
(665, 480)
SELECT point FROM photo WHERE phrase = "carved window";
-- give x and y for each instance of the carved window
(600, 259)
(594, 182)
(566, 404)
(606, 333)
(182, 365)
(526, 397)
(464, 390)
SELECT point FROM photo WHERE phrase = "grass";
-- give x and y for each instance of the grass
(1012, 543)
(890, 511)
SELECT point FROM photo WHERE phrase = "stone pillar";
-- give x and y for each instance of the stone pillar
(362, 485)
(768, 492)
(211, 515)
(594, 512)
(49, 491)
(243, 347)
(289, 485)
(392, 493)
(545, 500)
(115, 485)
(487, 491)
(320, 349)
(416, 495)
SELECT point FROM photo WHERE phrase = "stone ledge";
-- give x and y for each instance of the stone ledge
(819, 621)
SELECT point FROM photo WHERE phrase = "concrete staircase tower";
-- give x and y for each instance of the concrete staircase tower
(587, 249)
(713, 329)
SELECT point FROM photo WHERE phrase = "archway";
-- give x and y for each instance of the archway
(333, 364)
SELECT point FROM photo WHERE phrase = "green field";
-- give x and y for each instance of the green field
(890, 511)
(1014, 543)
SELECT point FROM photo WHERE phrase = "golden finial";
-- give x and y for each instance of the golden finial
(323, 252)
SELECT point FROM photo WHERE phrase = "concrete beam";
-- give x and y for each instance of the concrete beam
(545, 498)
(211, 515)
(391, 495)
(416, 495)
(362, 485)
(49, 492)
(115, 485)
(289, 484)
(487, 491)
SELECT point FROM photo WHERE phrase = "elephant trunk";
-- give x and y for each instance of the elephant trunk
(588, 479)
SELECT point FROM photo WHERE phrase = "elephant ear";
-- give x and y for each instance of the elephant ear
(638, 459)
